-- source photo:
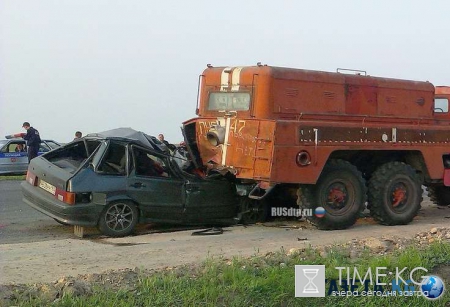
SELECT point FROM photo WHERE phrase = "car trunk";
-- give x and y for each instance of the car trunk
(54, 169)
(48, 175)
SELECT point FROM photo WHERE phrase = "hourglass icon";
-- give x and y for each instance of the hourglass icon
(310, 287)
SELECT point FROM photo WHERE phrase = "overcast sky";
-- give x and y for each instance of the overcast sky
(94, 65)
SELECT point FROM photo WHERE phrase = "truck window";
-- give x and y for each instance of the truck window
(440, 105)
(231, 101)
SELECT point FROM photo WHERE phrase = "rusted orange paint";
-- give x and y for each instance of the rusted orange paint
(295, 110)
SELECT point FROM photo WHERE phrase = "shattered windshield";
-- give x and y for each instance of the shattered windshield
(229, 101)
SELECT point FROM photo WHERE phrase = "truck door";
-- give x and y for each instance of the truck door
(264, 150)
(250, 147)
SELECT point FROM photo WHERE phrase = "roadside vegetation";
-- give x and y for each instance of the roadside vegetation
(12, 177)
(263, 280)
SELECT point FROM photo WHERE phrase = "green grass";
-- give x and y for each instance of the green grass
(260, 281)
(12, 177)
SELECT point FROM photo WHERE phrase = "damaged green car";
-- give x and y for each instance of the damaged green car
(118, 178)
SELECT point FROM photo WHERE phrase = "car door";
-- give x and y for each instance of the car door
(154, 186)
(212, 199)
(12, 161)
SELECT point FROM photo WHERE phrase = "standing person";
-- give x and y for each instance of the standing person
(78, 135)
(33, 140)
(162, 140)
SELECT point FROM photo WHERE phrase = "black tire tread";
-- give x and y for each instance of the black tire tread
(306, 198)
(439, 195)
(106, 231)
(376, 187)
(261, 205)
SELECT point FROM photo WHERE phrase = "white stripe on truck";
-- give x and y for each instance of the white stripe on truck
(236, 78)
(224, 78)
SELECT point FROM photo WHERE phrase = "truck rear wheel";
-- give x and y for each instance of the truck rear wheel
(440, 195)
(395, 194)
(340, 190)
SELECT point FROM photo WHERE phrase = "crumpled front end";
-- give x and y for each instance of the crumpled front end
(243, 147)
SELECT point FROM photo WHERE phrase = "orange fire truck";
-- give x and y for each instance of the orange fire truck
(315, 139)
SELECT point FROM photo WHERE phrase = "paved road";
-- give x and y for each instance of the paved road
(20, 223)
(34, 248)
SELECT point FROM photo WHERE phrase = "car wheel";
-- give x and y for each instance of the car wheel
(253, 211)
(118, 219)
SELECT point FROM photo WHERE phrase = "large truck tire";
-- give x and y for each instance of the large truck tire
(440, 195)
(395, 194)
(340, 190)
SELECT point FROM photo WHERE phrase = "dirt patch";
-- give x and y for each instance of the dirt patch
(442, 271)
(127, 279)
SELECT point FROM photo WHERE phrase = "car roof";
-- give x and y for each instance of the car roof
(130, 135)
(20, 139)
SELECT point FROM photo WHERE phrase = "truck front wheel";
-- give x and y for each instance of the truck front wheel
(395, 194)
(338, 197)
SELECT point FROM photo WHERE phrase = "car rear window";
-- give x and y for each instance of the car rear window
(70, 157)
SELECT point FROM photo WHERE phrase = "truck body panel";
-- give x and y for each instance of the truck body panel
(287, 111)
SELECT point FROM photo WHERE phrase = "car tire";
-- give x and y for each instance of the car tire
(118, 219)
(254, 211)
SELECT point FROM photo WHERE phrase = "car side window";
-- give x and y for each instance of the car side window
(15, 147)
(114, 161)
(52, 144)
(148, 164)
(43, 147)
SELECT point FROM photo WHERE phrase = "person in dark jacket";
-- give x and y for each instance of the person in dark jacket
(33, 140)
(162, 140)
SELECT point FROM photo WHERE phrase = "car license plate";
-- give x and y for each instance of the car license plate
(47, 186)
